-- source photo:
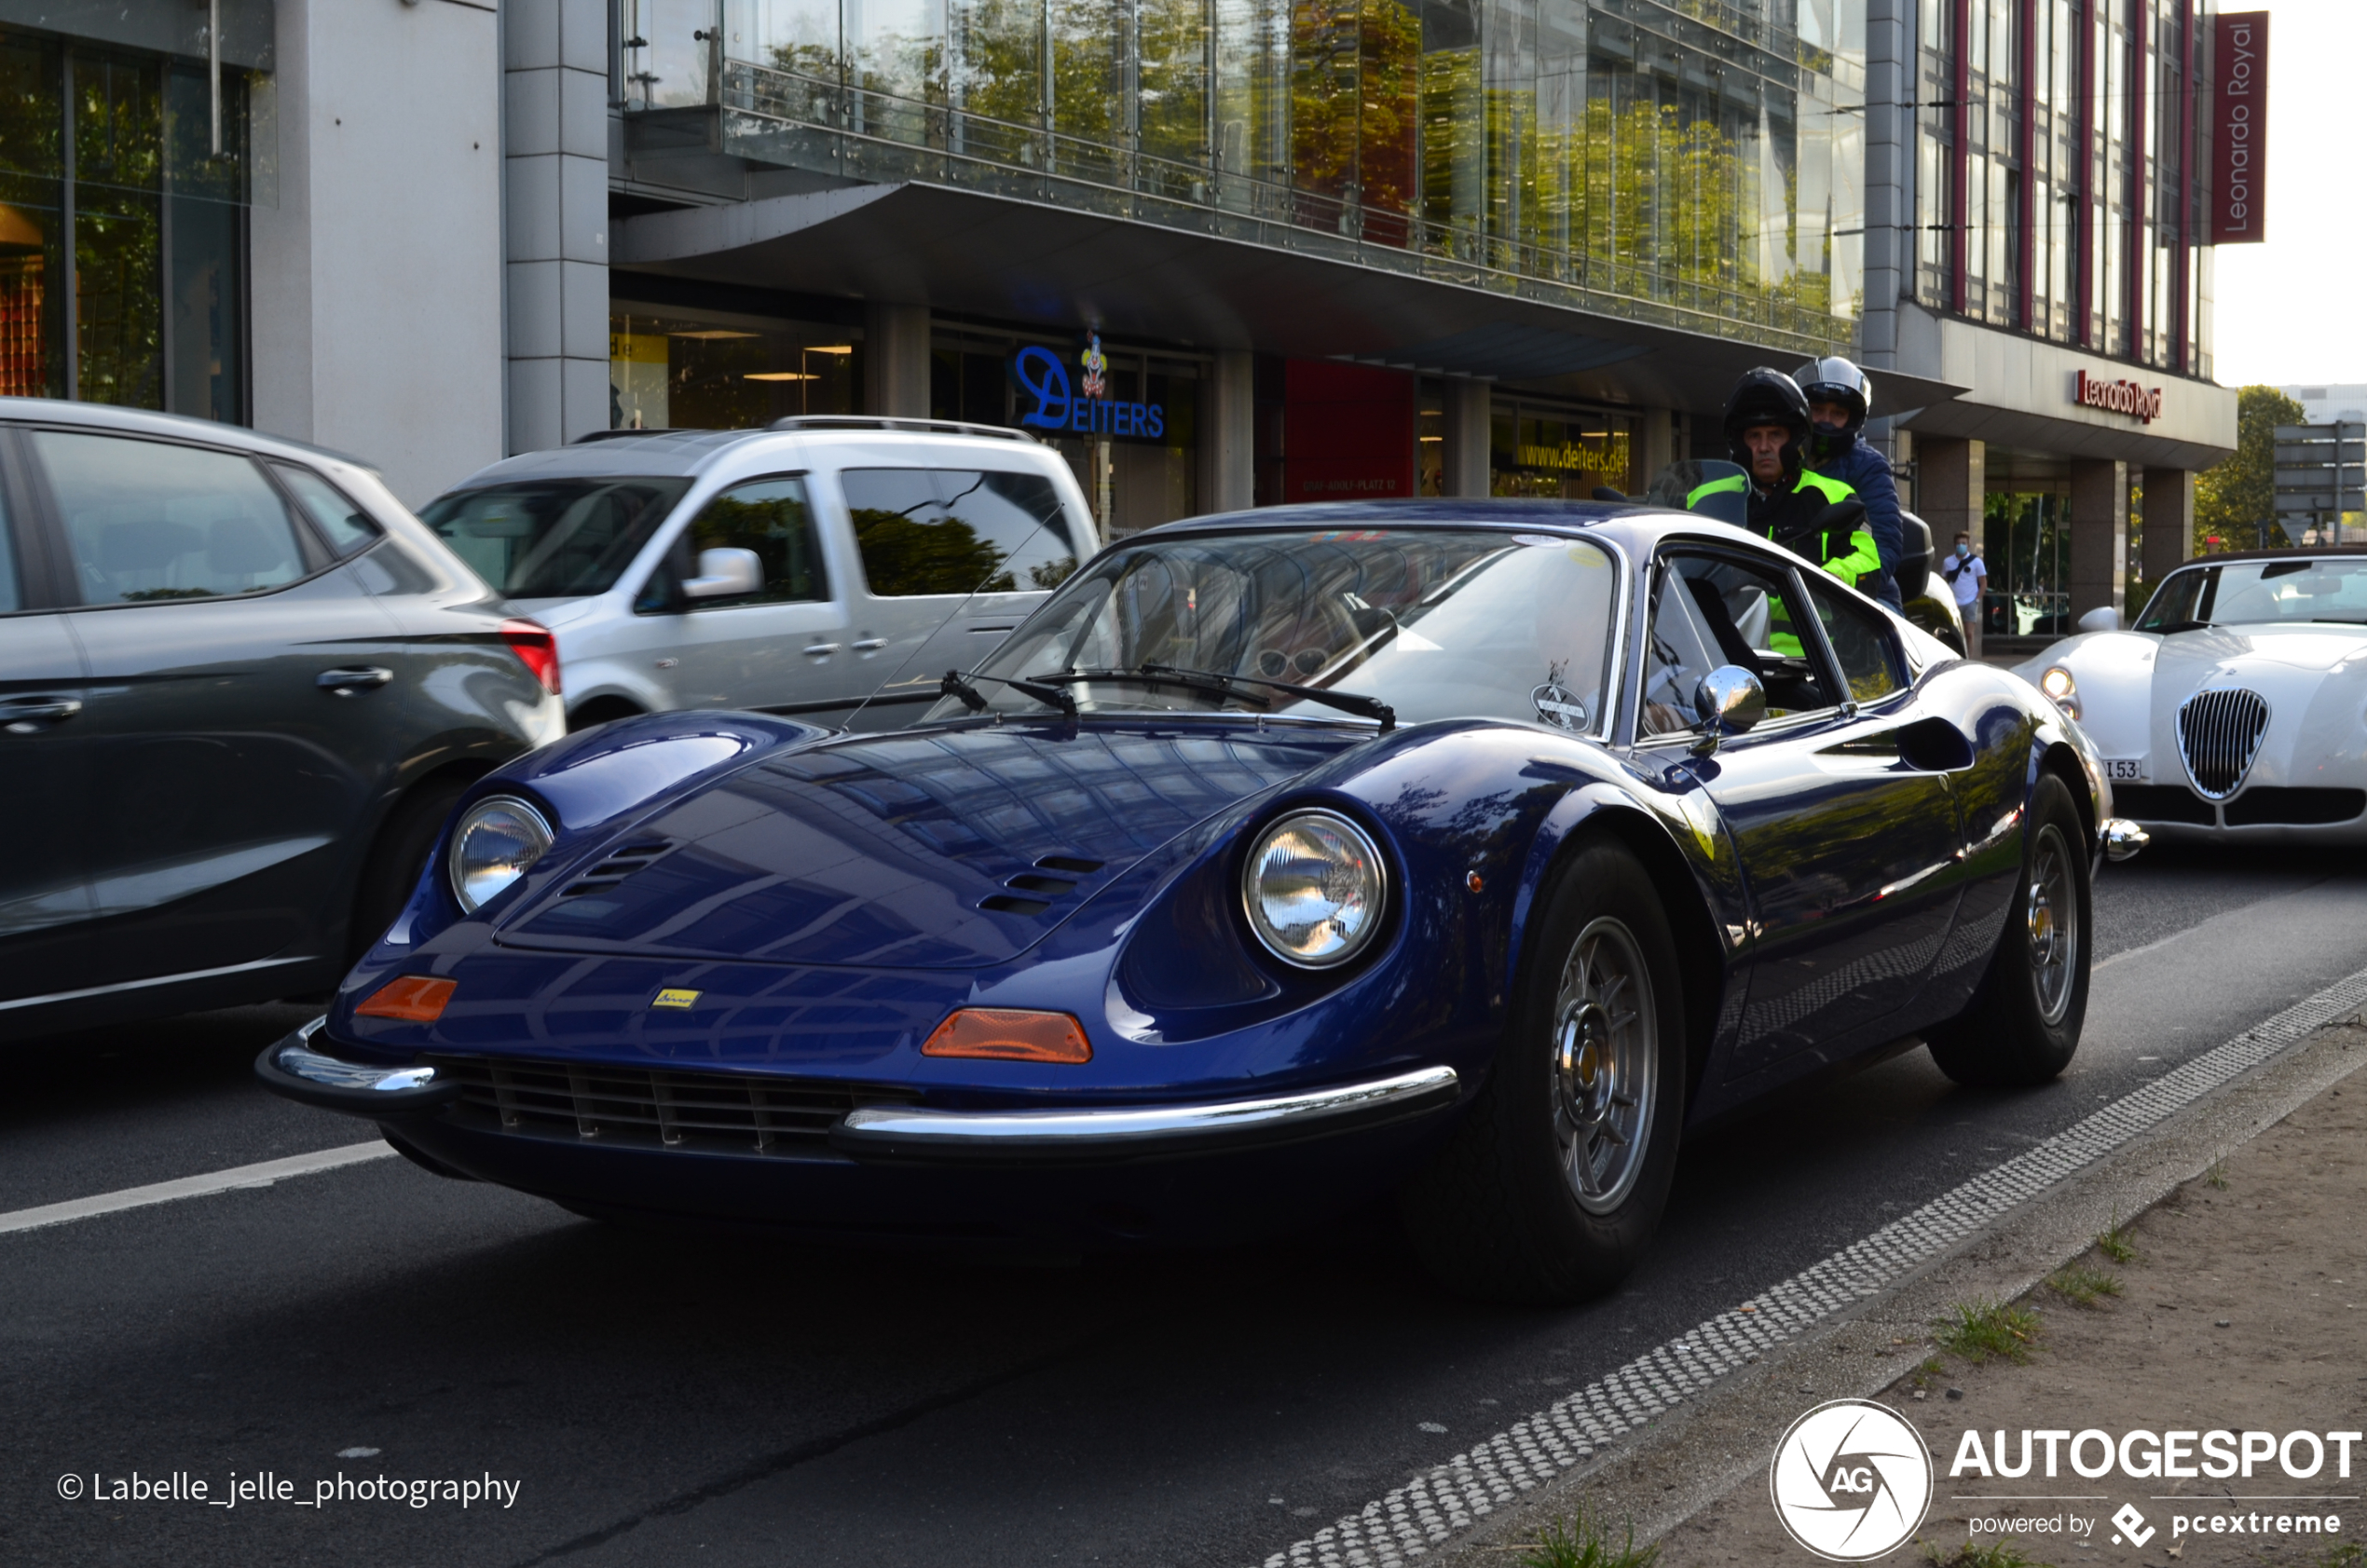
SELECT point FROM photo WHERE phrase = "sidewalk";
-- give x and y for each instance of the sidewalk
(2241, 1305)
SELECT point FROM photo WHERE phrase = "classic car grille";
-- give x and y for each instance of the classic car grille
(723, 1112)
(2219, 734)
(2294, 808)
(2163, 803)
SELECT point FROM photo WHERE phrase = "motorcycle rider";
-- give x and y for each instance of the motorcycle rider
(1767, 427)
(1839, 398)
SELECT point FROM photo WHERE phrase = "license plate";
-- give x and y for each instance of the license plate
(2121, 769)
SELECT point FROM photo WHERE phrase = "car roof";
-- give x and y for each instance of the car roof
(688, 453)
(2222, 557)
(142, 421)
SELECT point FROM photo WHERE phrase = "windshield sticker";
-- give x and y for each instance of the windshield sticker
(1360, 535)
(1556, 704)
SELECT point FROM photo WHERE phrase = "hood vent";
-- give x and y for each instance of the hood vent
(1043, 888)
(2219, 734)
(618, 865)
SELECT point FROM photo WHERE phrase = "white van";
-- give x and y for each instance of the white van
(798, 569)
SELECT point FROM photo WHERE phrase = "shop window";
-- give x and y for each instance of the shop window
(684, 369)
(1563, 455)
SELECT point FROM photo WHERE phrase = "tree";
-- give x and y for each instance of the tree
(2233, 497)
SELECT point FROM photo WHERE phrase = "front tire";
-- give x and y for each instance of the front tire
(2023, 1025)
(1552, 1182)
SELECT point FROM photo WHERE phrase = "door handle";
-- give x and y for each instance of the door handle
(870, 644)
(819, 650)
(25, 715)
(345, 683)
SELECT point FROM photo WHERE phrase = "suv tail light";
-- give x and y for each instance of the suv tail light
(536, 649)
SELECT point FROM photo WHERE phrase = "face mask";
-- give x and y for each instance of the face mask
(1964, 550)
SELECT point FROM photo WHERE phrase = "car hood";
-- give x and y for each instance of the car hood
(943, 848)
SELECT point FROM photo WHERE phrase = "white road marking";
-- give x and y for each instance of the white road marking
(1416, 1518)
(259, 1175)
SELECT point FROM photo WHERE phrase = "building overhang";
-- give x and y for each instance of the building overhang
(1008, 258)
(2023, 393)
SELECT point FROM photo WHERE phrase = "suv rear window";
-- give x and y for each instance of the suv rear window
(958, 531)
(551, 538)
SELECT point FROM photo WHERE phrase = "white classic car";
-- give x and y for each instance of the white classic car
(2234, 709)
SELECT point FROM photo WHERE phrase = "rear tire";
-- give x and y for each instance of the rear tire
(397, 859)
(599, 711)
(1550, 1187)
(2023, 1025)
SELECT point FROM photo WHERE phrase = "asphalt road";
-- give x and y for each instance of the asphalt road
(669, 1400)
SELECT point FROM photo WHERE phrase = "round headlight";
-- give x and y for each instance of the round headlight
(1314, 888)
(497, 841)
(2057, 683)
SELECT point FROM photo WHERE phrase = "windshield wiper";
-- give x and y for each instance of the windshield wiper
(957, 685)
(1220, 685)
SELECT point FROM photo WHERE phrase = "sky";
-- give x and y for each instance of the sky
(2291, 308)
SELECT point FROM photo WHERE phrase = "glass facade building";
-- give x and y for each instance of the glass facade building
(1696, 164)
(122, 230)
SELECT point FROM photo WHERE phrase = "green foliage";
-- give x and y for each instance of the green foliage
(2083, 1286)
(1584, 1543)
(2114, 1242)
(2216, 1177)
(901, 556)
(1986, 1554)
(1980, 1328)
(2232, 497)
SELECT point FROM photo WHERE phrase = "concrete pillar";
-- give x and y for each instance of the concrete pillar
(2099, 534)
(1890, 172)
(2169, 536)
(1229, 432)
(896, 359)
(555, 244)
(1655, 451)
(1466, 471)
(1951, 488)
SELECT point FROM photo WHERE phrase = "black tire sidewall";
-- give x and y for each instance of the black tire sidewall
(1584, 1252)
(396, 860)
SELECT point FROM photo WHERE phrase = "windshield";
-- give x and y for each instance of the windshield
(554, 538)
(2252, 592)
(1437, 623)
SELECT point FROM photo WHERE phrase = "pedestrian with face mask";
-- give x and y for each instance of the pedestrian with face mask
(1840, 399)
(1968, 574)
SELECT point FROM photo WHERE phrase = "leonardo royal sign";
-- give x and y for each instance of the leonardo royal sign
(2239, 128)
(2141, 403)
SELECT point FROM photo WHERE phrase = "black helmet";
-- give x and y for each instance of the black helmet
(1766, 396)
(1836, 380)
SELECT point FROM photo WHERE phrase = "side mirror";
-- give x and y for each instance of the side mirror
(725, 574)
(2103, 617)
(1728, 702)
(1840, 515)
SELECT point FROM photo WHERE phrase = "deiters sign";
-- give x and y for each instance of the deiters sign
(2239, 128)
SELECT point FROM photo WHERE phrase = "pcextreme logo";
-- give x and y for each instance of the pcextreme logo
(1851, 1481)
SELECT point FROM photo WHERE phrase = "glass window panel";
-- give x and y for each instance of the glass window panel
(771, 518)
(554, 538)
(1174, 95)
(800, 35)
(667, 64)
(346, 527)
(957, 531)
(683, 369)
(1325, 40)
(1868, 662)
(1087, 77)
(1390, 111)
(32, 219)
(118, 228)
(1253, 90)
(146, 520)
(997, 55)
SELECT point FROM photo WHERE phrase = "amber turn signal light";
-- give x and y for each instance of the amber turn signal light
(415, 998)
(1008, 1034)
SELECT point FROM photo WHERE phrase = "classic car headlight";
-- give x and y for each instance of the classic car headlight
(1314, 888)
(496, 843)
(2057, 683)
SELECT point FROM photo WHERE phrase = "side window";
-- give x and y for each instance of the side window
(958, 531)
(1709, 611)
(11, 591)
(146, 520)
(346, 527)
(769, 517)
(1868, 659)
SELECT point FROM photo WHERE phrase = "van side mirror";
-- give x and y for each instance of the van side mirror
(725, 574)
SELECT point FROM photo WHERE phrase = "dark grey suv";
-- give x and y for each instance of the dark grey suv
(239, 688)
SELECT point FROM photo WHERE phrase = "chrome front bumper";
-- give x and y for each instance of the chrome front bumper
(2121, 838)
(293, 1068)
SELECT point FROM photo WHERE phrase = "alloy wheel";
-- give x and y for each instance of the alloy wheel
(1604, 1047)
(2053, 912)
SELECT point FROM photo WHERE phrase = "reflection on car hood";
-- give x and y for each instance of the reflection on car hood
(916, 850)
(2317, 646)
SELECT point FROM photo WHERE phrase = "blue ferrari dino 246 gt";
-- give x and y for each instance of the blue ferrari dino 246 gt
(1469, 852)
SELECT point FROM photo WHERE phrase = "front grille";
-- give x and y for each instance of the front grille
(720, 1112)
(2294, 808)
(2219, 734)
(2163, 803)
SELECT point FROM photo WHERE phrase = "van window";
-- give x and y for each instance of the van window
(958, 531)
(551, 538)
(769, 516)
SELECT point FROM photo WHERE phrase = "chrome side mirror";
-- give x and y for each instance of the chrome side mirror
(1728, 702)
(725, 574)
(2103, 617)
